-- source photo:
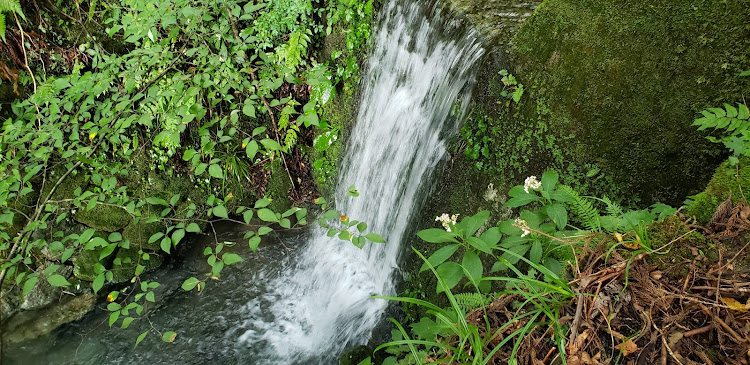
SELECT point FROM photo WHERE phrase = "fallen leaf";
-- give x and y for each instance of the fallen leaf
(733, 304)
(632, 245)
(627, 348)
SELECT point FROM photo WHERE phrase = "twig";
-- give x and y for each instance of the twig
(698, 331)
(723, 324)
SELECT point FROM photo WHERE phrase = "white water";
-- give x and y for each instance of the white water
(416, 77)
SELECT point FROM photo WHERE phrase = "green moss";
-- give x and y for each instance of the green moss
(674, 243)
(104, 218)
(726, 179)
(613, 87)
(86, 265)
(139, 233)
(278, 188)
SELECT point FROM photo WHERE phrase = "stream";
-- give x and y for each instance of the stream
(304, 298)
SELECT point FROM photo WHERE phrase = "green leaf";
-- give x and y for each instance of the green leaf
(492, 236)
(190, 284)
(98, 283)
(113, 318)
(67, 254)
(177, 236)
(473, 265)
(231, 258)
(549, 180)
(262, 203)
(166, 244)
(361, 227)
(169, 336)
(535, 254)
(470, 225)
(264, 230)
(140, 339)
(29, 284)
(440, 256)
(215, 171)
(270, 144)
(58, 280)
(107, 251)
(126, 322)
(451, 273)
(254, 242)
(374, 237)
(267, 215)
(521, 200)
(221, 211)
(435, 235)
(150, 297)
(193, 228)
(251, 149)
(558, 214)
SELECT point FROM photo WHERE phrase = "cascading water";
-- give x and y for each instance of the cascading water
(414, 82)
(311, 302)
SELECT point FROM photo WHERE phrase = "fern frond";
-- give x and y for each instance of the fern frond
(2, 26)
(613, 209)
(587, 214)
(471, 301)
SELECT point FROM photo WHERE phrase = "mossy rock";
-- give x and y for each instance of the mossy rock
(278, 188)
(126, 261)
(86, 264)
(726, 179)
(138, 233)
(613, 88)
(104, 218)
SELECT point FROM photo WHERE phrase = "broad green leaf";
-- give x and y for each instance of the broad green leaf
(267, 215)
(193, 228)
(169, 336)
(177, 236)
(58, 280)
(435, 235)
(473, 265)
(521, 200)
(440, 256)
(190, 284)
(254, 242)
(492, 236)
(231, 258)
(221, 211)
(374, 237)
(549, 180)
(558, 214)
(262, 203)
(451, 273)
(535, 254)
(166, 244)
(98, 283)
(470, 225)
(215, 171)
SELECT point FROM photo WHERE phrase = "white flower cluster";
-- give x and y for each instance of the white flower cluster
(531, 183)
(520, 223)
(447, 221)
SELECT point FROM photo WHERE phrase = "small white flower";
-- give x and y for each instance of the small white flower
(447, 221)
(523, 226)
(531, 183)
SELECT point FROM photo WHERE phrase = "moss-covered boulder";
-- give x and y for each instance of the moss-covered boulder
(138, 233)
(86, 264)
(727, 179)
(104, 218)
(611, 90)
(32, 324)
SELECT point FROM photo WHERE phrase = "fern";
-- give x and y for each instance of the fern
(584, 209)
(470, 301)
(9, 6)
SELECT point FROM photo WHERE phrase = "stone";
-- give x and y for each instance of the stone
(104, 218)
(35, 323)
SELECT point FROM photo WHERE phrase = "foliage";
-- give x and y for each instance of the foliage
(200, 82)
(12, 7)
(529, 248)
(735, 124)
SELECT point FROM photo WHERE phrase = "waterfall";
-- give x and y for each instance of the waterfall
(415, 84)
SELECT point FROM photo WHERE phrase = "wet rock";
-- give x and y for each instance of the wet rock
(355, 355)
(104, 218)
(35, 323)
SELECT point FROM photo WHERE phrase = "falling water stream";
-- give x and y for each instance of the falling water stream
(307, 298)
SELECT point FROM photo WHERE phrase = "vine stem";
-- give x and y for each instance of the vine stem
(25, 58)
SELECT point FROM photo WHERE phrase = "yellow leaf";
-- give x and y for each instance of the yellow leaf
(618, 236)
(733, 304)
(92, 136)
(244, 145)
